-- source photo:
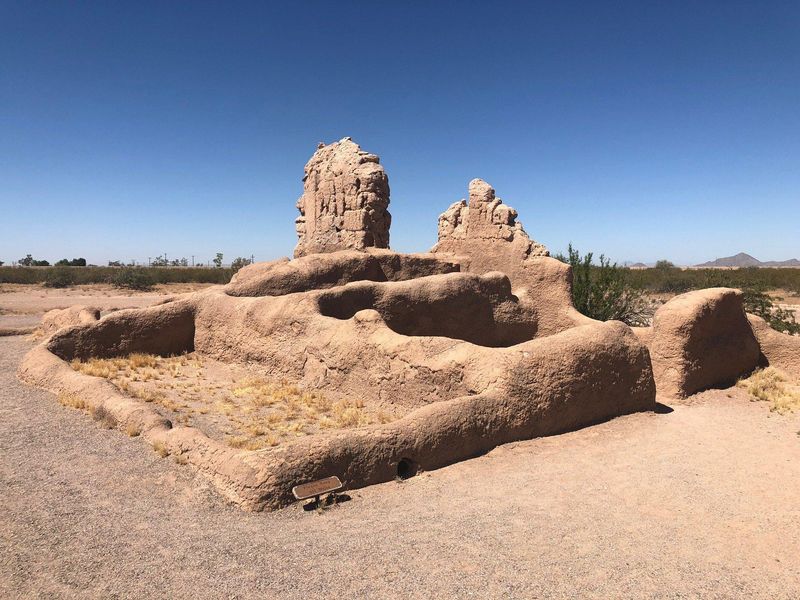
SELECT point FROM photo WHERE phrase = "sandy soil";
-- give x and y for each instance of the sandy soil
(23, 305)
(698, 502)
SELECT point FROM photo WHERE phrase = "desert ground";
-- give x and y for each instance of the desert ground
(22, 305)
(695, 500)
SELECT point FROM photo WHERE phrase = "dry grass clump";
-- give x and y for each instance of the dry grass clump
(270, 412)
(140, 368)
(99, 413)
(135, 367)
(773, 386)
(72, 400)
(104, 417)
(160, 449)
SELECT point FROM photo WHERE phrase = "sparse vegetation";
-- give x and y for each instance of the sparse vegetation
(603, 291)
(89, 275)
(102, 415)
(59, 277)
(607, 289)
(255, 413)
(72, 400)
(132, 278)
(240, 262)
(99, 413)
(160, 449)
(671, 279)
(773, 386)
(759, 303)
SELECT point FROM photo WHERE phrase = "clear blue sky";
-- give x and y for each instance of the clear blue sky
(642, 129)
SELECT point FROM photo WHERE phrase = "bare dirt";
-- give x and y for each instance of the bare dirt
(698, 502)
(26, 303)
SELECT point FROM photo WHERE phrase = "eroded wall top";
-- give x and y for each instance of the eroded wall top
(482, 223)
(344, 202)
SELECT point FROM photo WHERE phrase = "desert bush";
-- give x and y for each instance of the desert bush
(240, 262)
(603, 291)
(132, 279)
(59, 277)
(759, 303)
(102, 415)
(677, 280)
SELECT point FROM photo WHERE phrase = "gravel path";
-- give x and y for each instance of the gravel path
(701, 502)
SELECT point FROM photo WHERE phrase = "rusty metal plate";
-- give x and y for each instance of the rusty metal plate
(316, 488)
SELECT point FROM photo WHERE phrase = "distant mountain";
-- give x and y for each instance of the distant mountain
(792, 262)
(638, 265)
(745, 260)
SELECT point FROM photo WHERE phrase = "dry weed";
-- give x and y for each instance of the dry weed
(104, 417)
(72, 400)
(258, 413)
(160, 449)
(773, 386)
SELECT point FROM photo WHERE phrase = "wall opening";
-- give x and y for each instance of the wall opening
(406, 468)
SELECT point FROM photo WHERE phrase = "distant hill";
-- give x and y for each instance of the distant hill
(792, 262)
(638, 265)
(745, 260)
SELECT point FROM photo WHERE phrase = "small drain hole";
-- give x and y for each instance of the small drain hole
(406, 468)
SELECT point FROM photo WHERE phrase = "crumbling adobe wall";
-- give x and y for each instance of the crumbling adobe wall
(344, 202)
(466, 398)
(483, 235)
(778, 349)
(699, 340)
(465, 228)
(59, 318)
(320, 271)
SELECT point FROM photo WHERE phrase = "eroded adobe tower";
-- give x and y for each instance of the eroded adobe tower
(481, 226)
(344, 202)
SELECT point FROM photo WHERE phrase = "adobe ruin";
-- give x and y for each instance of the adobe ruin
(471, 345)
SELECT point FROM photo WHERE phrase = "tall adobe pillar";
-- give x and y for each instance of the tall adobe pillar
(344, 202)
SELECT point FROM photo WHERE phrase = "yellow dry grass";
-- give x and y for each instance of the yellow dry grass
(291, 412)
(138, 367)
(72, 400)
(160, 449)
(773, 386)
(258, 413)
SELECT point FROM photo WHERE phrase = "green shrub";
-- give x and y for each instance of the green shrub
(240, 262)
(603, 291)
(132, 279)
(89, 274)
(75, 262)
(759, 303)
(59, 277)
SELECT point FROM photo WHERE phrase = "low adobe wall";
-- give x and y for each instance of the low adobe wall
(539, 387)
(699, 340)
(778, 349)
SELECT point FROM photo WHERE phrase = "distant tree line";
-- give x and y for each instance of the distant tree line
(158, 261)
